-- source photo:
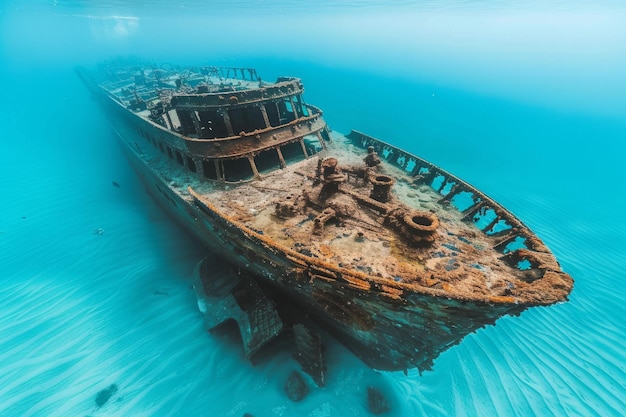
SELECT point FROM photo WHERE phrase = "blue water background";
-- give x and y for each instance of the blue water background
(524, 100)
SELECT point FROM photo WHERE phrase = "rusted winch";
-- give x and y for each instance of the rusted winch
(331, 177)
(320, 221)
(382, 184)
(287, 207)
(416, 227)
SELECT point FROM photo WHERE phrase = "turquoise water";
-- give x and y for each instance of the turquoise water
(525, 100)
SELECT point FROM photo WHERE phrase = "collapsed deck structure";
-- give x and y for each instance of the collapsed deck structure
(396, 257)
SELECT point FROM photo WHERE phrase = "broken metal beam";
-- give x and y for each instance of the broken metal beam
(309, 353)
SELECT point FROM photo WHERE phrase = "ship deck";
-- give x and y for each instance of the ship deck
(462, 262)
(460, 258)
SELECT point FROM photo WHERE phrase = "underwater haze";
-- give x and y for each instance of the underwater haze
(526, 100)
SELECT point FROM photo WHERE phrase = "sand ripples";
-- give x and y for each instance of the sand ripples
(91, 310)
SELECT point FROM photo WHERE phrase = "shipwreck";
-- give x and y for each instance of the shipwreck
(394, 256)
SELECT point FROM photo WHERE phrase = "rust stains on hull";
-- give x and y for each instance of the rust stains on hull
(395, 256)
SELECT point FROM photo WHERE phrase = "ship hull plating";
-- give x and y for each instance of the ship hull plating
(389, 324)
(418, 327)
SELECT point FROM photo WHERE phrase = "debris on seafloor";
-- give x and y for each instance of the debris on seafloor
(105, 395)
(377, 402)
(309, 352)
(295, 387)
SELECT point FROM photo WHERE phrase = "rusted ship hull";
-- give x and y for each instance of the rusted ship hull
(419, 327)
(389, 324)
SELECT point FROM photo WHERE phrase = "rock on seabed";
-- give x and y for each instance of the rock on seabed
(295, 388)
(105, 395)
(377, 402)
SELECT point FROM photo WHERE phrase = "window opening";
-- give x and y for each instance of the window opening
(438, 182)
(187, 126)
(312, 144)
(272, 114)
(297, 101)
(447, 188)
(176, 126)
(286, 112)
(191, 164)
(463, 200)
(518, 243)
(500, 226)
(292, 152)
(237, 170)
(208, 166)
(267, 161)
(212, 125)
(179, 158)
(484, 217)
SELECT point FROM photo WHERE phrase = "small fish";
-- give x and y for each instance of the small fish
(115, 184)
